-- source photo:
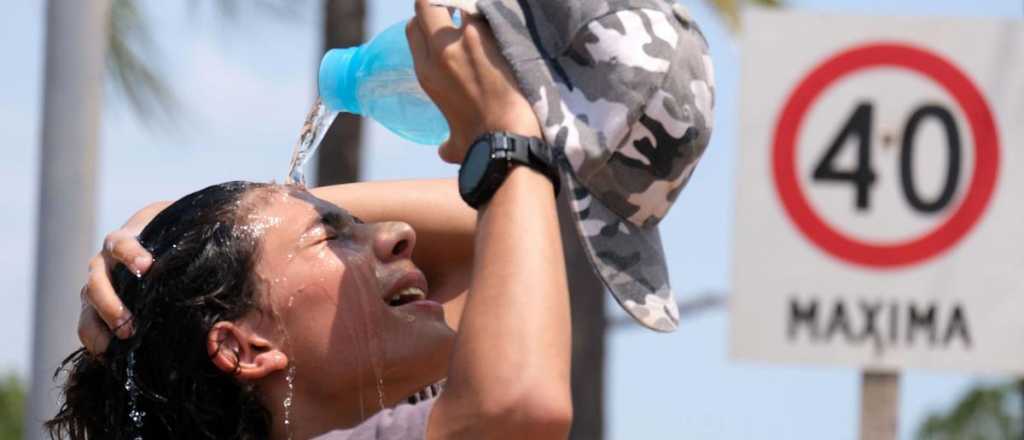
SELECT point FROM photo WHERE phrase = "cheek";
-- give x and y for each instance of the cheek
(355, 282)
(360, 309)
(330, 306)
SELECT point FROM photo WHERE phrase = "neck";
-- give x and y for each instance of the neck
(313, 412)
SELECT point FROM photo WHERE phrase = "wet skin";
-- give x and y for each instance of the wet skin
(326, 279)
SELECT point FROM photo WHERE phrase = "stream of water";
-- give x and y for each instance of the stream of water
(318, 120)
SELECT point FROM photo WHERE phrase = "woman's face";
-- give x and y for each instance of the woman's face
(346, 300)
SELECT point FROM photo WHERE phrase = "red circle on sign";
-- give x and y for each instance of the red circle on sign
(979, 189)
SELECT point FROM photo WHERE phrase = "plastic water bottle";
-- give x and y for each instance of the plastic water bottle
(378, 80)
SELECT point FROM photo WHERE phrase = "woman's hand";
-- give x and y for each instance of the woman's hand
(102, 310)
(464, 73)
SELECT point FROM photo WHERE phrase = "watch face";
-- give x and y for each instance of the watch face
(475, 165)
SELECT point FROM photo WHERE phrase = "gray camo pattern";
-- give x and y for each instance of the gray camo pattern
(624, 90)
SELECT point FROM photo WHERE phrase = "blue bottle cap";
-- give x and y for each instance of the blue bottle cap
(336, 83)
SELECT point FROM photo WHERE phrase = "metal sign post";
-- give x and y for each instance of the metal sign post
(879, 405)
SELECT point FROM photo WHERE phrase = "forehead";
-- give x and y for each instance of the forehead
(285, 198)
(281, 208)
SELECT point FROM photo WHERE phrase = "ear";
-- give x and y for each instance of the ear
(242, 352)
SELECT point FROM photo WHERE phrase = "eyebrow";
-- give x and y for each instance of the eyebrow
(330, 218)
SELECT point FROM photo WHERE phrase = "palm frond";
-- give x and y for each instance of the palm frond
(130, 51)
(132, 74)
(730, 10)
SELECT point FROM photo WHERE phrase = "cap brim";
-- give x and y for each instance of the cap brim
(628, 259)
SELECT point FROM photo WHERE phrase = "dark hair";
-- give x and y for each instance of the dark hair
(202, 273)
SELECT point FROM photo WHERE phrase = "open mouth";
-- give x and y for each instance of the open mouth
(409, 287)
(405, 296)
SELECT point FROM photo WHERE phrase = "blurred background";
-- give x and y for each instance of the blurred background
(200, 92)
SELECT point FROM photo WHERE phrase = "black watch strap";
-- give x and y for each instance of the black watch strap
(532, 152)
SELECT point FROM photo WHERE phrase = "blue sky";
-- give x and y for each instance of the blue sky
(246, 84)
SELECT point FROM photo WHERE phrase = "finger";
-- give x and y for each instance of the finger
(99, 293)
(418, 47)
(125, 248)
(92, 332)
(482, 47)
(473, 36)
(432, 20)
(447, 153)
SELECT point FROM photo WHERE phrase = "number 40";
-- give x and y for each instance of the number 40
(863, 177)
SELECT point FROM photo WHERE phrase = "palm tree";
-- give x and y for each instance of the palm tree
(985, 412)
(75, 33)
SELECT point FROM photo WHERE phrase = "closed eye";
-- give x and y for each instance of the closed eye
(335, 226)
(330, 235)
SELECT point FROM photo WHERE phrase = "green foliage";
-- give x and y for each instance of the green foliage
(730, 9)
(983, 413)
(130, 48)
(131, 73)
(12, 408)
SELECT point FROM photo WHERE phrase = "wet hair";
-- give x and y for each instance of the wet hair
(161, 383)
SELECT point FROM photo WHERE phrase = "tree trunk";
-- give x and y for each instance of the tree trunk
(339, 156)
(76, 41)
(587, 297)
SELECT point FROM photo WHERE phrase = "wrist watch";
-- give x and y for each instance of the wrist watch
(490, 158)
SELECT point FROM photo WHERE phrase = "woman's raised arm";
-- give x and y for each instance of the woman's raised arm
(509, 373)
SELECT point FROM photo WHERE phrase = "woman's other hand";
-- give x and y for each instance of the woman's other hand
(464, 73)
(102, 310)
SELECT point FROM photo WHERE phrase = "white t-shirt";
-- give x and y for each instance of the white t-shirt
(403, 422)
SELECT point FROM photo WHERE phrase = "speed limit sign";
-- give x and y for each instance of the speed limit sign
(859, 128)
(880, 216)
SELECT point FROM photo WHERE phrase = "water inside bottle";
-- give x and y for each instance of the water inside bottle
(318, 120)
(406, 109)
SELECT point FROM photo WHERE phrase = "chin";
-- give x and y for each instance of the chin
(421, 350)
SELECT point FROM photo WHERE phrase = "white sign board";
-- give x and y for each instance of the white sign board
(880, 206)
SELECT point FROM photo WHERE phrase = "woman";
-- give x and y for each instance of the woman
(261, 311)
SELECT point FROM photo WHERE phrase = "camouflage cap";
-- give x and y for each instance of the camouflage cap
(624, 92)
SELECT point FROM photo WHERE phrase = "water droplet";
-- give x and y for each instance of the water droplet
(135, 415)
(290, 378)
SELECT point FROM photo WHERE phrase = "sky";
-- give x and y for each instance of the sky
(245, 84)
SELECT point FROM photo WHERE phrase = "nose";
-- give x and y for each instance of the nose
(394, 241)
